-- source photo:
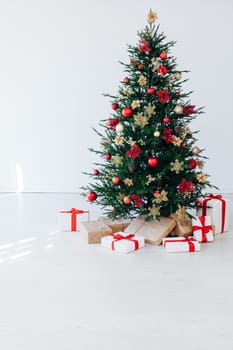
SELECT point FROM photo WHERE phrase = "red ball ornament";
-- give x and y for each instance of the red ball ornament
(115, 106)
(116, 180)
(184, 143)
(156, 192)
(127, 112)
(198, 204)
(163, 55)
(192, 163)
(96, 172)
(108, 156)
(152, 162)
(126, 200)
(126, 80)
(150, 90)
(91, 196)
(140, 66)
(166, 120)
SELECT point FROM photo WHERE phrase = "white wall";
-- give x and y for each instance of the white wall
(58, 57)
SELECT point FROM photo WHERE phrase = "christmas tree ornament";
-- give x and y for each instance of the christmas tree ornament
(115, 106)
(140, 66)
(125, 80)
(142, 80)
(195, 150)
(178, 109)
(150, 110)
(163, 55)
(156, 133)
(126, 200)
(162, 70)
(107, 156)
(116, 180)
(133, 62)
(188, 109)
(96, 172)
(152, 17)
(153, 162)
(156, 192)
(202, 178)
(112, 123)
(177, 166)
(192, 163)
(120, 128)
(135, 104)
(128, 182)
(92, 196)
(127, 112)
(150, 90)
(144, 46)
(166, 120)
(199, 203)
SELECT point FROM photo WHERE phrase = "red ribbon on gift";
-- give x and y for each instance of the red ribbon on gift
(74, 212)
(189, 240)
(117, 237)
(204, 229)
(219, 197)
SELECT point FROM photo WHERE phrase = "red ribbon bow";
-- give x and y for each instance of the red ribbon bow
(189, 240)
(117, 237)
(204, 229)
(219, 197)
(74, 212)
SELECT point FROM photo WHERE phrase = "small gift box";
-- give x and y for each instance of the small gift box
(116, 225)
(202, 229)
(94, 230)
(183, 223)
(181, 244)
(218, 209)
(68, 219)
(123, 242)
(153, 231)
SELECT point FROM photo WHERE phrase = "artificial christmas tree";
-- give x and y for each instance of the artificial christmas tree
(150, 164)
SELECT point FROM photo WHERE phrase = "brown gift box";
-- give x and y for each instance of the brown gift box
(183, 223)
(116, 225)
(94, 230)
(153, 231)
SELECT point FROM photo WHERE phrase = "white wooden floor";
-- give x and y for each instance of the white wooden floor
(58, 293)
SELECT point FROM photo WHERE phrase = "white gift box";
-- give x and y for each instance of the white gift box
(68, 220)
(202, 229)
(181, 244)
(218, 209)
(123, 242)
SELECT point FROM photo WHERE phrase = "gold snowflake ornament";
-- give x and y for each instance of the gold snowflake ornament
(177, 166)
(154, 211)
(142, 80)
(117, 160)
(161, 197)
(128, 182)
(202, 178)
(140, 120)
(149, 109)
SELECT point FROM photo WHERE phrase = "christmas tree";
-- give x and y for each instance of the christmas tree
(150, 163)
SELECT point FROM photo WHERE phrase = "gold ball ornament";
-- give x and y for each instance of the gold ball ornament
(156, 133)
(195, 150)
(178, 109)
(119, 127)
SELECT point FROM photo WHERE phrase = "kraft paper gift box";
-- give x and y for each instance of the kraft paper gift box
(202, 229)
(181, 244)
(153, 231)
(218, 209)
(93, 231)
(123, 242)
(116, 225)
(68, 220)
(183, 223)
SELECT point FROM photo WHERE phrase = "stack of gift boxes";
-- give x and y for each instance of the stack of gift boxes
(177, 233)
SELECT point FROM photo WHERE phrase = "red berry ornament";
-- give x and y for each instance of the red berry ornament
(115, 106)
(198, 204)
(91, 196)
(153, 161)
(140, 66)
(166, 120)
(116, 180)
(108, 156)
(96, 172)
(150, 90)
(126, 200)
(163, 55)
(127, 112)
